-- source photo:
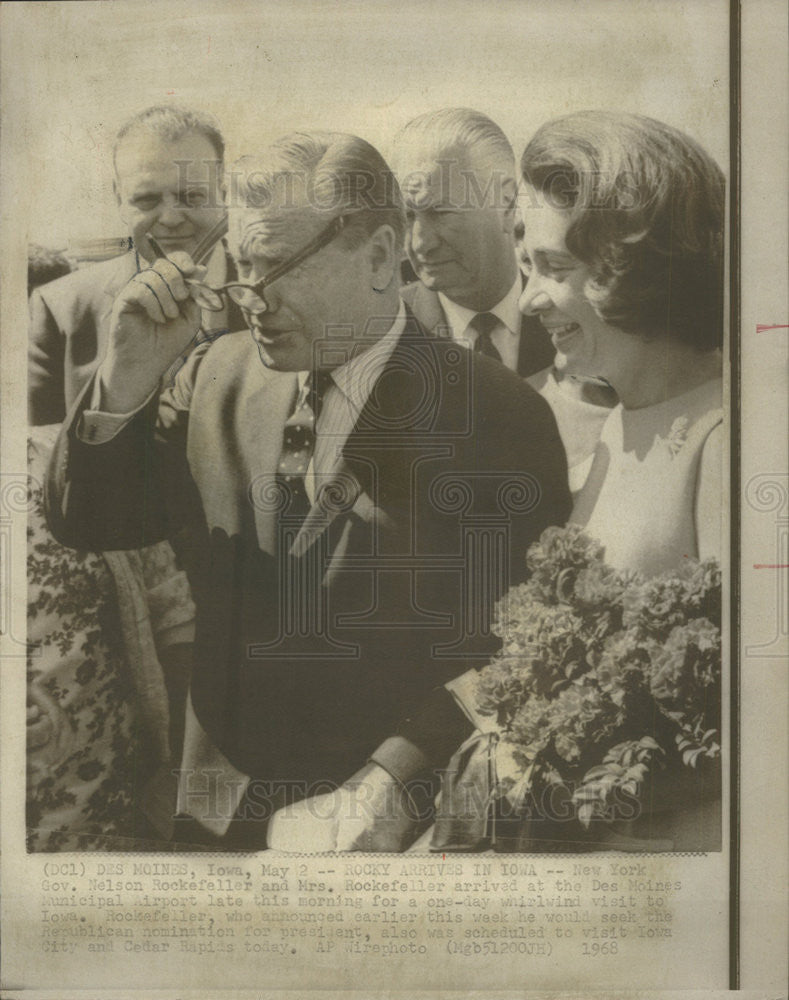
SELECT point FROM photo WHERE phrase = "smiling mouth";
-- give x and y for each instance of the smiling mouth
(563, 332)
(267, 336)
(430, 264)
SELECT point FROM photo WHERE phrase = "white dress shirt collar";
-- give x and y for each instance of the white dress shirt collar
(345, 400)
(356, 378)
(506, 311)
(505, 337)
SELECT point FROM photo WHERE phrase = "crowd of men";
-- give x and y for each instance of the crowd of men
(353, 468)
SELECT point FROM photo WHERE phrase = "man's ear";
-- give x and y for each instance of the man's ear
(221, 182)
(383, 257)
(509, 198)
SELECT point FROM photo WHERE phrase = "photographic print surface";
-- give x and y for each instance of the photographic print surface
(375, 529)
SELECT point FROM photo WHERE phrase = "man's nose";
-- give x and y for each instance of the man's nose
(171, 214)
(534, 297)
(423, 235)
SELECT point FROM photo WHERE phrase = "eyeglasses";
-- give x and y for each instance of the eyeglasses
(250, 296)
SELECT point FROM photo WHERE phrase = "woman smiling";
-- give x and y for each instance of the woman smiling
(599, 721)
(623, 253)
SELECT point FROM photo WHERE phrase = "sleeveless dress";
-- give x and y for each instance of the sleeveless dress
(579, 421)
(639, 497)
(640, 502)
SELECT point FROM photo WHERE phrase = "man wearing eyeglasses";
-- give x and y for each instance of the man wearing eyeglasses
(358, 495)
(168, 182)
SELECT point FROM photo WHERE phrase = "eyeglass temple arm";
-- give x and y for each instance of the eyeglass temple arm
(334, 229)
(203, 247)
(209, 241)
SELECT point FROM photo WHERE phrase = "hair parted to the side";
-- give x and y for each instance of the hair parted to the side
(333, 173)
(460, 132)
(171, 122)
(646, 206)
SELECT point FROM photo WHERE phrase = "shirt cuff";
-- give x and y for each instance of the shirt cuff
(97, 427)
(427, 740)
(401, 758)
(176, 635)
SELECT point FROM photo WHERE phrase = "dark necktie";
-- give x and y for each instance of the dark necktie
(298, 444)
(484, 323)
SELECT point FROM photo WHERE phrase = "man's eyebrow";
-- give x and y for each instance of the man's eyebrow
(252, 245)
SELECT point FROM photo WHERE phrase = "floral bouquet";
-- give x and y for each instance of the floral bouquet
(604, 680)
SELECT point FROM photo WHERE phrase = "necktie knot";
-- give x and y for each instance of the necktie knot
(484, 323)
(317, 385)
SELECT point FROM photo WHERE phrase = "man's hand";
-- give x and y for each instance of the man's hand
(153, 320)
(370, 812)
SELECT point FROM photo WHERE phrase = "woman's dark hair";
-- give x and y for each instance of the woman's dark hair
(646, 206)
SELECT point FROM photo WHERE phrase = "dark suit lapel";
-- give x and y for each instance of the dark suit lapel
(380, 439)
(339, 494)
(401, 400)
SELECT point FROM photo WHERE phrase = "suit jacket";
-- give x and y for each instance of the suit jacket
(317, 641)
(535, 351)
(69, 323)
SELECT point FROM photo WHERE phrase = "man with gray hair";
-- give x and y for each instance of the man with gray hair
(456, 170)
(168, 182)
(348, 482)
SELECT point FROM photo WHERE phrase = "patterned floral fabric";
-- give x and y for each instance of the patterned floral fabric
(89, 716)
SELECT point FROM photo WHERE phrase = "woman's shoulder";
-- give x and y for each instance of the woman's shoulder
(676, 422)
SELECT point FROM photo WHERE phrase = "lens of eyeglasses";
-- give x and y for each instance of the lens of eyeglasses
(243, 296)
(206, 297)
